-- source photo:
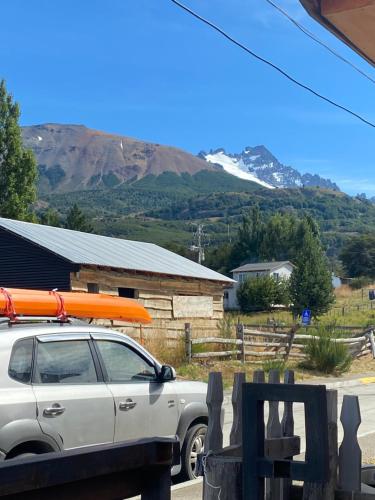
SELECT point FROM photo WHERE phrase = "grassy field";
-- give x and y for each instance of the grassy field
(351, 308)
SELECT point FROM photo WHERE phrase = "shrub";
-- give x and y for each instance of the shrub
(360, 282)
(274, 364)
(282, 292)
(326, 355)
(259, 294)
(227, 326)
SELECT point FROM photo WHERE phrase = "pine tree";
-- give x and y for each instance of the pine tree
(249, 239)
(50, 218)
(18, 171)
(77, 220)
(311, 282)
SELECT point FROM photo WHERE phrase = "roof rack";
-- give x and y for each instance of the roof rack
(11, 316)
(6, 320)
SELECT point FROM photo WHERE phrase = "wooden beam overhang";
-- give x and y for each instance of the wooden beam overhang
(352, 21)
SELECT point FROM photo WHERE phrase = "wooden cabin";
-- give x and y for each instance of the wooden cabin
(175, 290)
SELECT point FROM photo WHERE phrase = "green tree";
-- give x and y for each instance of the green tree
(50, 217)
(260, 293)
(249, 238)
(18, 171)
(358, 256)
(279, 237)
(311, 281)
(77, 220)
(219, 258)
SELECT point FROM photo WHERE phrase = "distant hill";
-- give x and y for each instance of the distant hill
(74, 157)
(161, 209)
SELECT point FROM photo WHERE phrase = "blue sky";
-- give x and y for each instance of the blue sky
(145, 69)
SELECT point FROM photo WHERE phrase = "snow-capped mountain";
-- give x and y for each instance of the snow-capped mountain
(257, 164)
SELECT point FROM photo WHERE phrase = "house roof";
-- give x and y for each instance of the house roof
(261, 266)
(92, 249)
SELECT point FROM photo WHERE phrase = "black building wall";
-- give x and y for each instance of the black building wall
(26, 265)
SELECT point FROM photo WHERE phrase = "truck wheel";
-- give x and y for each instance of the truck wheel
(193, 445)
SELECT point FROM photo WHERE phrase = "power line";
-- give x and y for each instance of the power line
(317, 40)
(272, 65)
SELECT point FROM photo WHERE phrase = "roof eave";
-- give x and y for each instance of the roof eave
(145, 272)
(312, 7)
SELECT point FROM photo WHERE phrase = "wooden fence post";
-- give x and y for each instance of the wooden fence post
(287, 425)
(372, 342)
(214, 436)
(326, 491)
(290, 343)
(236, 431)
(258, 377)
(350, 454)
(188, 342)
(240, 334)
(273, 430)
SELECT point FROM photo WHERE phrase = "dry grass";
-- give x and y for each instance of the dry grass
(343, 292)
(166, 351)
(200, 371)
(363, 365)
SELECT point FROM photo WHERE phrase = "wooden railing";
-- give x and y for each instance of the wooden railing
(255, 343)
(105, 472)
(260, 453)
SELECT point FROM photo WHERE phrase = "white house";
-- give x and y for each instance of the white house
(278, 270)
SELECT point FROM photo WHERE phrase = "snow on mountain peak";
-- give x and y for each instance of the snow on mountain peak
(234, 167)
(257, 164)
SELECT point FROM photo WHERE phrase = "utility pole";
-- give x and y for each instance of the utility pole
(198, 243)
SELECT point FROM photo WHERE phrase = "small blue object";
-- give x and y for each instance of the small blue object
(306, 317)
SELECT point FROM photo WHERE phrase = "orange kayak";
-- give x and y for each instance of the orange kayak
(16, 301)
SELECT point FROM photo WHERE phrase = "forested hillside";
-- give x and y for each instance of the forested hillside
(162, 208)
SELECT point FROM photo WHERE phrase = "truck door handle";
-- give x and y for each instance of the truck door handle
(128, 405)
(53, 411)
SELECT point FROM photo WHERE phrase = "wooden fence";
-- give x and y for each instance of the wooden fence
(255, 343)
(105, 472)
(259, 464)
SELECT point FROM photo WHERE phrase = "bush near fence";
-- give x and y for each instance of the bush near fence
(256, 345)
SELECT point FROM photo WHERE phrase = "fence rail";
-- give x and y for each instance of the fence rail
(105, 472)
(255, 343)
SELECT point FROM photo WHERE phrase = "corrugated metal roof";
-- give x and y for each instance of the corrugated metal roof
(92, 249)
(261, 266)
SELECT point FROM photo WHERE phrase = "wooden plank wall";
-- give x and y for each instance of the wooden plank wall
(156, 294)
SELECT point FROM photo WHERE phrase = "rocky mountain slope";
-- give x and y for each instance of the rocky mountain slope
(259, 165)
(74, 157)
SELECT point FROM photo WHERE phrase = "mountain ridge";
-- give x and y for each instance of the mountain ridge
(260, 165)
(74, 157)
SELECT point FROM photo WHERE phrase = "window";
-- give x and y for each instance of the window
(123, 364)
(93, 287)
(126, 292)
(66, 362)
(276, 276)
(21, 360)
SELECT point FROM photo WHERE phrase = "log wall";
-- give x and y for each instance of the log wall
(159, 295)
